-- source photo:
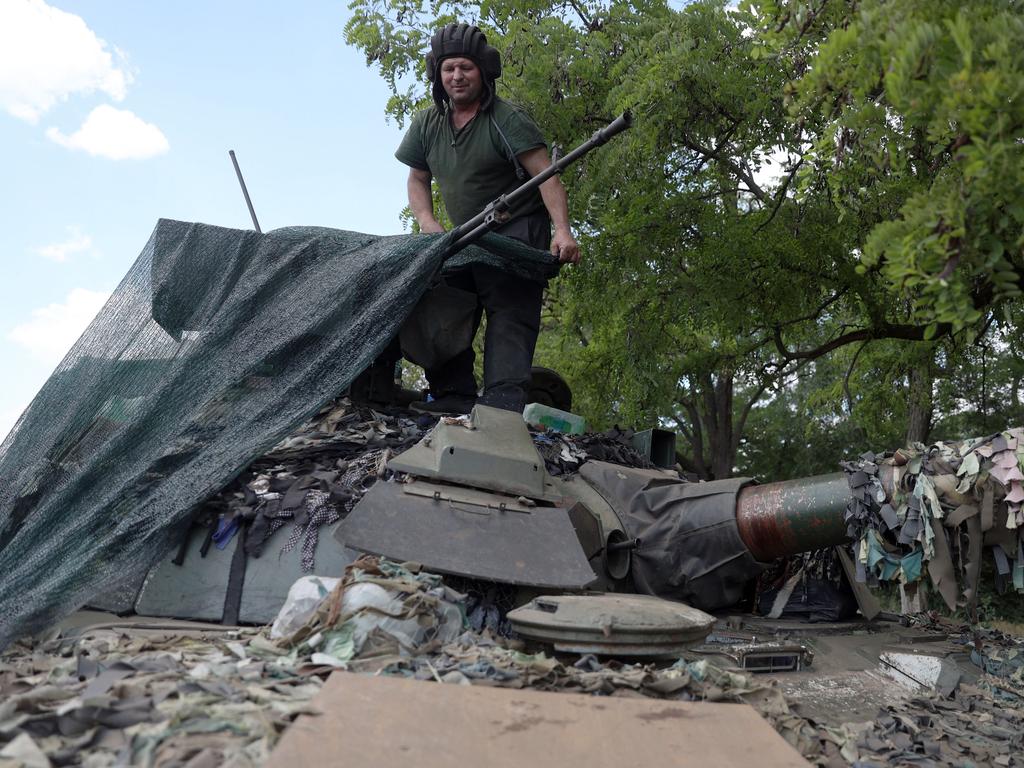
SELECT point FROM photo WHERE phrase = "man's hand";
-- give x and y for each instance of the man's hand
(563, 244)
(430, 227)
(565, 247)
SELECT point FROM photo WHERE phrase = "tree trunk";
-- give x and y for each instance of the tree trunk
(710, 425)
(920, 406)
(723, 454)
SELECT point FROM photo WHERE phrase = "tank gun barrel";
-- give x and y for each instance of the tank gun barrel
(793, 516)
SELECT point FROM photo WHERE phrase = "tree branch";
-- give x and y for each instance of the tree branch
(741, 174)
(780, 196)
(741, 422)
(697, 438)
(684, 430)
(883, 331)
(849, 372)
(582, 14)
(817, 312)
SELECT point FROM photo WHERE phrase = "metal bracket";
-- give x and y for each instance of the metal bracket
(456, 495)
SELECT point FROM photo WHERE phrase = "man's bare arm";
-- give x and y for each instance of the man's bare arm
(563, 244)
(421, 202)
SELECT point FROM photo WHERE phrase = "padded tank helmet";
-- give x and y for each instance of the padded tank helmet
(467, 41)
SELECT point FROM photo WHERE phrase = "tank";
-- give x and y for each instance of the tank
(602, 567)
(477, 503)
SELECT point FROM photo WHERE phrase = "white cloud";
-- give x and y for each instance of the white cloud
(61, 252)
(51, 330)
(47, 54)
(117, 134)
(773, 169)
(9, 417)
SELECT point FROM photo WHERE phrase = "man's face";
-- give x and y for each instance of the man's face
(462, 81)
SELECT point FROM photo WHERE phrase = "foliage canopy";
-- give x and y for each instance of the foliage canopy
(819, 200)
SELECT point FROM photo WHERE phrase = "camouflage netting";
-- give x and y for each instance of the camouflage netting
(216, 344)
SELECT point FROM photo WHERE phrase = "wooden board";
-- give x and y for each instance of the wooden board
(394, 722)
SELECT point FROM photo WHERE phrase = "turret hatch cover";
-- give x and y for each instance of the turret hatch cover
(612, 624)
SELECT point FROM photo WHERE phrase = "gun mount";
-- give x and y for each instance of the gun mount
(478, 503)
(473, 499)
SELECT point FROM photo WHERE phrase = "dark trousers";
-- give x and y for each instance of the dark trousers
(513, 307)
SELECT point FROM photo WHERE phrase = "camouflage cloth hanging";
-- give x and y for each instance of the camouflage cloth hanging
(935, 508)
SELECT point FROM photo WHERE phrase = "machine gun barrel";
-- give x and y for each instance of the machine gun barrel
(496, 212)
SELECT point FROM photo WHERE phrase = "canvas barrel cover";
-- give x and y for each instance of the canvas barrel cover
(690, 547)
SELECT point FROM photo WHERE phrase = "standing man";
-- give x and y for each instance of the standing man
(480, 147)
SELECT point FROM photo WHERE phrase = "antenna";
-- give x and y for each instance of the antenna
(245, 192)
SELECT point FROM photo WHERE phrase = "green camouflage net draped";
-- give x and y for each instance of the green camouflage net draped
(215, 345)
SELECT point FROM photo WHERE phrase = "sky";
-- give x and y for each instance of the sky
(116, 113)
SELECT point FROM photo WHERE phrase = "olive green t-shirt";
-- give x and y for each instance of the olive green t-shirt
(472, 165)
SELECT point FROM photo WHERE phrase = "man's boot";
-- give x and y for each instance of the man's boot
(446, 404)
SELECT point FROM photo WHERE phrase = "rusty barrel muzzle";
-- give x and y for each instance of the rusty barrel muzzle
(787, 518)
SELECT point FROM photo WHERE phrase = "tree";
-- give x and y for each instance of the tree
(921, 120)
(767, 211)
